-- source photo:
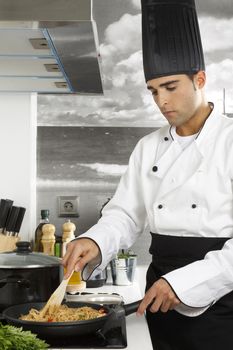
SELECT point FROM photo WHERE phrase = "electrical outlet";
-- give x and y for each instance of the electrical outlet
(68, 206)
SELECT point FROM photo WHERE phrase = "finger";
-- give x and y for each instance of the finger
(71, 263)
(166, 305)
(174, 304)
(147, 300)
(82, 261)
(68, 273)
(141, 309)
(169, 305)
(156, 304)
(66, 257)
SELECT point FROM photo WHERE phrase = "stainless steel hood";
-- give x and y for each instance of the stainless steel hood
(49, 46)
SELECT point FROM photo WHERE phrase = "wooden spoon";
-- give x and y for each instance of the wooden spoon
(56, 298)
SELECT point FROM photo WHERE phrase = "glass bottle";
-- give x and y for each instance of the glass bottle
(38, 233)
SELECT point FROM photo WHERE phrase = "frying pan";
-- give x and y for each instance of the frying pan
(61, 329)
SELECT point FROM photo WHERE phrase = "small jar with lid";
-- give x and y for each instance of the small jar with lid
(75, 283)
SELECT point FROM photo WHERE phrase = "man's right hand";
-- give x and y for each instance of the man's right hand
(79, 252)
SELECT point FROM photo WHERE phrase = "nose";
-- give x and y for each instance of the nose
(161, 99)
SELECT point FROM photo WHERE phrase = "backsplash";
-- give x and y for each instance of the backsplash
(86, 162)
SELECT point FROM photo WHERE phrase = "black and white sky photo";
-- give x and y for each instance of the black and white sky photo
(126, 101)
(84, 142)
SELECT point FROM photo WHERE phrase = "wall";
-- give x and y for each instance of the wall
(86, 162)
(90, 205)
(18, 154)
(89, 209)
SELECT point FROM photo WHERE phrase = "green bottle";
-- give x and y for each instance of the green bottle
(38, 233)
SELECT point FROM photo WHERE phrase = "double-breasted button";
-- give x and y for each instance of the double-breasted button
(194, 206)
(166, 138)
(160, 206)
(155, 168)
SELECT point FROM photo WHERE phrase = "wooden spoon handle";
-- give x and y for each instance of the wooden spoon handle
(57, 296)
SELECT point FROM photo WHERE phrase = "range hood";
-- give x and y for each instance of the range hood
(49, 46)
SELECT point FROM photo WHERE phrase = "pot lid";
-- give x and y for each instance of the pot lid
(23, 257)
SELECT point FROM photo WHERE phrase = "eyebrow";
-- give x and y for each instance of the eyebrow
(150, 87)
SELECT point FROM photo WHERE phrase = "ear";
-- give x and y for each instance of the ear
(200, 79)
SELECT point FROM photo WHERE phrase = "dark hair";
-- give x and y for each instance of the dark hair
(191, 77)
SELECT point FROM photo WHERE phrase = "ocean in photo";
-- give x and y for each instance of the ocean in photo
(84, 156)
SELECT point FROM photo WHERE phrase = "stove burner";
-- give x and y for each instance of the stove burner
(113, 339)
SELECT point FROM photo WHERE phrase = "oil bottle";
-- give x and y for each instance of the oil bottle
(38, 233)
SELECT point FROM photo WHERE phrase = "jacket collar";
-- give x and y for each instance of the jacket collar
(174, 166)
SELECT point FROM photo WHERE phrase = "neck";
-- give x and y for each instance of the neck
(196, 122)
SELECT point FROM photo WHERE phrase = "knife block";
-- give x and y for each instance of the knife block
(8, 243)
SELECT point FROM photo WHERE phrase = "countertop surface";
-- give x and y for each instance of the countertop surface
(137, 330)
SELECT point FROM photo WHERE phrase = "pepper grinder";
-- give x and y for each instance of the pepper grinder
(68, 229)
(48, 238)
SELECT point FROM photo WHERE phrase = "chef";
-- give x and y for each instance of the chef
(179, 182)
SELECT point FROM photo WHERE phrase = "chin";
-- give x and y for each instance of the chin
(173, 123)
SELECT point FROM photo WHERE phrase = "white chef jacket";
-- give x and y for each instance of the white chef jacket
(179, 193)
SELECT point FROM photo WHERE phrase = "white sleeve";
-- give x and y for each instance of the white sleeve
(202, 283)
(123, 218)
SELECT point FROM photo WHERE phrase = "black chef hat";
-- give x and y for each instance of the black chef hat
(171, 41)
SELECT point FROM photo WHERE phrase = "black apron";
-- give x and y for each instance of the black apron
(212, 330)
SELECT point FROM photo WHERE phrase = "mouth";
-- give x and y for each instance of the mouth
(168, 114)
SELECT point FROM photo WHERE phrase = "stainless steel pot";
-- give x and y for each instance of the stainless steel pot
(27, 277)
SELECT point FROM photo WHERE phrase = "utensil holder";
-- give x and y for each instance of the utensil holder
(8, 243)
(123, 270)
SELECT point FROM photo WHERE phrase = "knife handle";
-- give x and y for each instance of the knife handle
(11, 219)
(19, 220)
(5, 206)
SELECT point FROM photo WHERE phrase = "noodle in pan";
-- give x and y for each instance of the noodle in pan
(63, 313)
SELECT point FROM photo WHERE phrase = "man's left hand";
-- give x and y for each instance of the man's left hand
(160, 297)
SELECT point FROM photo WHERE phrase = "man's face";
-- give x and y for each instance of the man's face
(177, 96)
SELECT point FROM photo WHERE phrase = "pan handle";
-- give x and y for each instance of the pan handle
(132, 307)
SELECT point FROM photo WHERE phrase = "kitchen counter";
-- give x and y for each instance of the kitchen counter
(137, 330)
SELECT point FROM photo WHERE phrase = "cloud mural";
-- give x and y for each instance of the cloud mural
(126, 100)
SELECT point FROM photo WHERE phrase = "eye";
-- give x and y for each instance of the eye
(172, 88)
(154, 92)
